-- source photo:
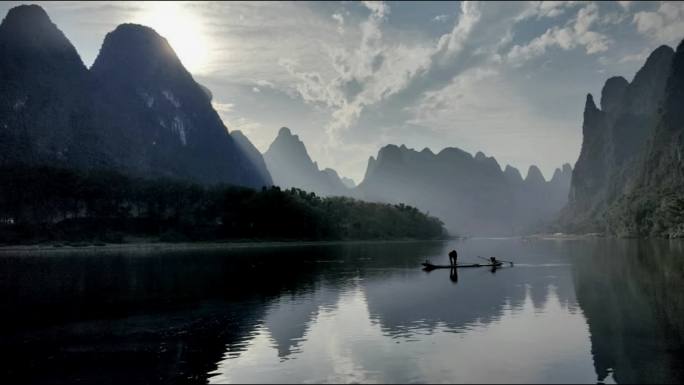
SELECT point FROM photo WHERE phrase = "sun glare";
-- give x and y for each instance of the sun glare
(183, 30)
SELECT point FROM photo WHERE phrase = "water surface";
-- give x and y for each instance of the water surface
(568, 311)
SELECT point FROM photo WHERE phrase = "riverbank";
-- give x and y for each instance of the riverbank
(152, 246)
(562, 236)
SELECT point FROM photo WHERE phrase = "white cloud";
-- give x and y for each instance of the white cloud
(265, 83)
(625, 4)
(639, 57)
(665, 25)
(614, 18)
(363, 75)
(546, 9)
(440, 18)
(452, 43)
(576, 33)
(379, 8)
(377, 69)
(339, 18)
(223, 108)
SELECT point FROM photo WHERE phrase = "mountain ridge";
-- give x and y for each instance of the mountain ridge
(492, 202)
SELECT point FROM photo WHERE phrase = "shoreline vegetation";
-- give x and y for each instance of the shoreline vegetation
(64, 208)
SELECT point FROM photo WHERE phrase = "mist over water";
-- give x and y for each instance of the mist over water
(568, 311)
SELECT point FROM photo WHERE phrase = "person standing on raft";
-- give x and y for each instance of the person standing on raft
(453, 256)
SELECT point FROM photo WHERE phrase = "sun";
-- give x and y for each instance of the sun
(182, 28)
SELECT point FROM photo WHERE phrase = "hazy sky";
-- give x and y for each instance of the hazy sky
(508, 79)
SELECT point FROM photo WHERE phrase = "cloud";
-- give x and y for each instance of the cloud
(363, 75)
(665, 25)
(576, 33)
(639, 57)
(546, 9)
(441, 18)
(614, 18)
(379, 9)
(339, 18)
(451, 43)
(223, 108)
(376, 69)
(625, 4)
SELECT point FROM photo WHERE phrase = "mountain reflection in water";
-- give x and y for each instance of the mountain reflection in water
(569, 311)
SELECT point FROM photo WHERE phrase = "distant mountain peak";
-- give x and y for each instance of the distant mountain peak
(29, 31)
(138, 50)
(534, 175)
(391, 152)
(284, 131)
(290, 165)
(285, 137)
(567, 168)
(348, 182)
(589, 105)
(33, 16)
(453, 152)
(512, 174)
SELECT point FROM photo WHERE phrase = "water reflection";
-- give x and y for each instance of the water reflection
(631, 293)
(570, 311)
(346, 344)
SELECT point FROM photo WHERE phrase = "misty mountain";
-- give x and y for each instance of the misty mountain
(346, 181)
(472, 195)
(137, 110)
(290, 166)
(630, 169)
(252, 154)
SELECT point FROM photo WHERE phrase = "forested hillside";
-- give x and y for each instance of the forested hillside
(41, 204)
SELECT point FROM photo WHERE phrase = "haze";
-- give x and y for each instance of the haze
(349, 78)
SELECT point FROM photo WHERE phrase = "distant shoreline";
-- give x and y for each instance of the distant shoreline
(146, 246)
(151, 245)
(564, 236)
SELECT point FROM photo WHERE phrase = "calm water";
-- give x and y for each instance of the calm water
(569, 311)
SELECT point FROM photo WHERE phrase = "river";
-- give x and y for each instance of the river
(581, 311)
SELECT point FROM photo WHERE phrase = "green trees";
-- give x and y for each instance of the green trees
(47, 204)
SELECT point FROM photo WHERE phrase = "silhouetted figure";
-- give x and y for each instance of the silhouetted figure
(453, 256)
(493, 261)
(453, 275)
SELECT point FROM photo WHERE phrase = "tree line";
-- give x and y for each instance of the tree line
(43, 204)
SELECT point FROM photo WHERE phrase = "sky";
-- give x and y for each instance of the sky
(505, 78)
